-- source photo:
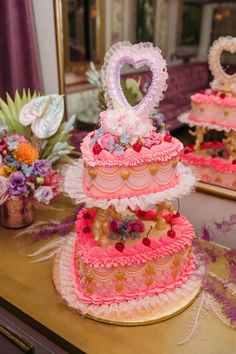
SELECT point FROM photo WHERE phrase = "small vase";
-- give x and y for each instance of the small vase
(17, 212)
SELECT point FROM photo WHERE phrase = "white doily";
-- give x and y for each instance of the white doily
(74, 189)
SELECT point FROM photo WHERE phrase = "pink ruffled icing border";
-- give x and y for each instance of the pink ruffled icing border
(162, 152)
(95, 256)
(213, 99)
(216, 163)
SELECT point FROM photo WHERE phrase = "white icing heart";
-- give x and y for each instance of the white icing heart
(138, 55)
(45, 115)
(222, 81)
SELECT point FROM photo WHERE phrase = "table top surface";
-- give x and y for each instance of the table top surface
(29, 287)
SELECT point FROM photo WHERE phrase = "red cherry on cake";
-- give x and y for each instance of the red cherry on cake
(137, 147)
(97, 149)
(119, 246)
(167, 138)
(86, 216)
(234, 162)
(171, 233)
(222, 95)
(202, 92)
(86, 229)
(146, 241)
(176, 215)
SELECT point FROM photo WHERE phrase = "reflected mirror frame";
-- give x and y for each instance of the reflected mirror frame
(80, 67)
(216, 190)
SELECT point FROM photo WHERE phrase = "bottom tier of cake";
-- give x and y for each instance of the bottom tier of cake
(136, 311)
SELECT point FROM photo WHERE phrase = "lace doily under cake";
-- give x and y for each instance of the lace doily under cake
(74, 189)
(184, 118)
(133, 312)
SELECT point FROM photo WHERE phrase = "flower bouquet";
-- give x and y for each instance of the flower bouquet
(32, 139)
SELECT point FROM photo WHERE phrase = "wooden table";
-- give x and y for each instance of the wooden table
(28, 290)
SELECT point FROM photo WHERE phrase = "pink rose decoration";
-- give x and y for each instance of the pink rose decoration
(53, 180)
(153, 139)
(115, 225)
(3, 190)
(135, 226)
(107, 140)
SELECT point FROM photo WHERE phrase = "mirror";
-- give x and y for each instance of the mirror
(83, 34)
(184, 30)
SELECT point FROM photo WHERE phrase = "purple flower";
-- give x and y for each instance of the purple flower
(43, 194)
(135, 226)
(115, 225)
(17, 184)
(41, 167)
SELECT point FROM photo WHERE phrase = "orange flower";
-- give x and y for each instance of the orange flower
(26, 153)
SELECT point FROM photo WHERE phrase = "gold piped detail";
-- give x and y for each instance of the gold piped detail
(175, 162)
(202, 109)
(218, 179)
(150, 270)
(119, 287)
(149, 281)
(175, 273)
(89, 278)
(153, 169)
(124, 174)
(226, 113)
(120, 275)
(89, 290)
(92, 173)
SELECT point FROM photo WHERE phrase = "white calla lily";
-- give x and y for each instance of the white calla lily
(45, 115)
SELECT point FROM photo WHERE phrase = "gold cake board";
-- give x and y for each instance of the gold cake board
(64, 286)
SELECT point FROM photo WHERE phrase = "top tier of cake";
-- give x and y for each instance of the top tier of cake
(147, 166)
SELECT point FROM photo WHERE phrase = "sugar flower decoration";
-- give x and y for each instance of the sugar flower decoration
(118, 122)
(44, 114)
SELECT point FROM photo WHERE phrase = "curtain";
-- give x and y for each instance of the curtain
(19, 54)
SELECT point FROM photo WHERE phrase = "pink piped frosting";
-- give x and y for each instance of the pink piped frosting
(95, 256)
(214, 99)
(162, 152)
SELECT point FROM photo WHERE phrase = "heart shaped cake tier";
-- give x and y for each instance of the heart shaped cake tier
(110, 274)
(146, 167)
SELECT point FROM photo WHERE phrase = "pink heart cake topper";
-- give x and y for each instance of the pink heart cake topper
(137, 55)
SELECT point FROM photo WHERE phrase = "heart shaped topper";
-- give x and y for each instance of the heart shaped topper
(222, 81)
(138, 55)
